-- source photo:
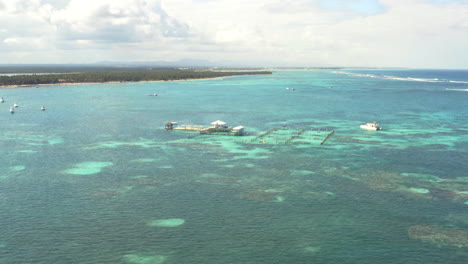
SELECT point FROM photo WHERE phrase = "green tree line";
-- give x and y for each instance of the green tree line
(97, 77)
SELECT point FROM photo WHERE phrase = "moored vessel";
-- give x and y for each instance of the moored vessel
(371, 126)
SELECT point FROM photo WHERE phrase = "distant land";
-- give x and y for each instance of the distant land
(35, 75)
(187, 64)
(21, 75)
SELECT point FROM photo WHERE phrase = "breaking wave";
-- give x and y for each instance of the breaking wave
(462, 90)
(397, 78)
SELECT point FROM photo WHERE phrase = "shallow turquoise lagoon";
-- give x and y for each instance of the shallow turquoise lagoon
(96, 179)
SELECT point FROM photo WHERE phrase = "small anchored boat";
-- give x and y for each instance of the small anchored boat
(15, 105)
(1, 100)
(153, 94)
(12, 110)
(371, 126)
(43, 108)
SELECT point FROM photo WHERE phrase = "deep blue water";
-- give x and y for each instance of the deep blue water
(96, 179)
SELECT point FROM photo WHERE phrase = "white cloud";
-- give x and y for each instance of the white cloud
(10, 41)
(116, 21)
(411, 33)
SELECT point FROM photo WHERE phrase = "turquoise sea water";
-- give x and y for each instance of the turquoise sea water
(96, 179)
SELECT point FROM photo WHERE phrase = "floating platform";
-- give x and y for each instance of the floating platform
(233, 131)
(218, 128)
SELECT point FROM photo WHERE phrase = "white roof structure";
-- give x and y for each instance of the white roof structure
(218, 122)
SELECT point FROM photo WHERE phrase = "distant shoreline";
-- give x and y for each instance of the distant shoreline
(109, 82)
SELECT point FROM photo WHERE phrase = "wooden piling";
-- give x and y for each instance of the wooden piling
(329, 134)
(290, 139)
(264, 134)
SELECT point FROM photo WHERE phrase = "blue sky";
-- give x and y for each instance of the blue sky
(377, 33)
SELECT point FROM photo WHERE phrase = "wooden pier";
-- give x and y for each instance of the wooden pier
(272, 136)
(190, 128)
(293, 136)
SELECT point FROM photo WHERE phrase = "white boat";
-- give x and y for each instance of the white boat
(371, 126)
(1, 100)
(42, 108)
(15, 105)
(12, 110)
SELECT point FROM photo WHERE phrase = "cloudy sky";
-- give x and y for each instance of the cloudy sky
(383, 33)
